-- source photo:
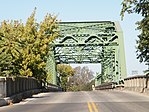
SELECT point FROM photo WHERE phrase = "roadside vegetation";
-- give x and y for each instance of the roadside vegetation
(75, 79)
(82, 79)
(24, 47)
(64, 71)
(140, 7)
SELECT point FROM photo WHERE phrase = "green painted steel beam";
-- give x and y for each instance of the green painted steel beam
(90, 42)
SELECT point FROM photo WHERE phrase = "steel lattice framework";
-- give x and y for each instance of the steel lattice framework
(90, 42)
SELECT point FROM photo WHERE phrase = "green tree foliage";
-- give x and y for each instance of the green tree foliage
(88, 86)
(24, 47)
(36, 38)
(65, 71)
(10, 46)
(140, 7)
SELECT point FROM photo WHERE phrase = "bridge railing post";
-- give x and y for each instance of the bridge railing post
(2, 87)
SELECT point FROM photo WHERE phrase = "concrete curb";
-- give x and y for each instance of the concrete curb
(3, 102)
(18, 97)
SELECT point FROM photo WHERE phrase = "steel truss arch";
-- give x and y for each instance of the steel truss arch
(91, 42)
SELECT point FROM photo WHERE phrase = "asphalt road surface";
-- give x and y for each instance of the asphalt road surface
(93, 101)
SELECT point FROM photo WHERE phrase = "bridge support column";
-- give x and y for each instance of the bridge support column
(117, 65)
(123, 72)
(51, 69)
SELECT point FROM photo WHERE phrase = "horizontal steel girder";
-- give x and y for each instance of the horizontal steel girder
(92, 42)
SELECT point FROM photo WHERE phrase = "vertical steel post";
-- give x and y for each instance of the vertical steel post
(122, 61)
(51, 69)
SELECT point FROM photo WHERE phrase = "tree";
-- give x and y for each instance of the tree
(65, 71)
(83, 75)
(10, 47)
(140, 7)
(81, 79)
(25, 48)
(36, 39)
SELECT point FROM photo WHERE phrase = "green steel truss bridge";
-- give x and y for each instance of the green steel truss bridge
(90, 42)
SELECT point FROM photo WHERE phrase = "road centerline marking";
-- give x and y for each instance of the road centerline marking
(89, 107)
(94, 107)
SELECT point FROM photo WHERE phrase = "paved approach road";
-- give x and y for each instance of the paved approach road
(93, 101)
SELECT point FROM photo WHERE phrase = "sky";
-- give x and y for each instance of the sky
(80, 10)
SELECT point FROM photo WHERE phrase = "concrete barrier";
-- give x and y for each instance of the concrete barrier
(138, 83)
(14, 89)
(106, 86)
(48, 87)
(15, 85)
(2, 87)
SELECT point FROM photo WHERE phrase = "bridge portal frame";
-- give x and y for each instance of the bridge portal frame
(90, 42)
